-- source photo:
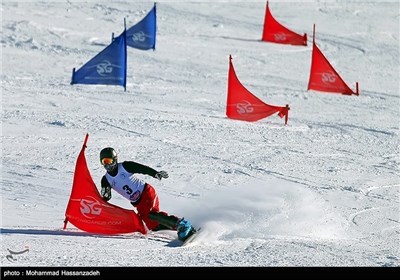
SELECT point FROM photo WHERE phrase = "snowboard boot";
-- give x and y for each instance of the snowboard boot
(185, 229)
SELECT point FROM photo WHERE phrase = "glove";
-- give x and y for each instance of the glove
(161, 174)
(106, 193)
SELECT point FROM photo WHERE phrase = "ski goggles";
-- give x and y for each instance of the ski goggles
(107, 161)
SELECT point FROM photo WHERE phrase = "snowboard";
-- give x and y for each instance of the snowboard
(191, 238)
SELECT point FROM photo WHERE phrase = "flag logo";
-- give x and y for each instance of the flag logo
(104, 68)
(90, 207)
(244, 108)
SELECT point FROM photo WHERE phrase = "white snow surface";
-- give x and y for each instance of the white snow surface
(322, 190)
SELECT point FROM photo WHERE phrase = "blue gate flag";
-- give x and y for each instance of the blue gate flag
(107, 68)
(143, 34)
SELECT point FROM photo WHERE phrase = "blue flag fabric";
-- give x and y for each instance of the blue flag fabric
(143, 34)
(106, 68)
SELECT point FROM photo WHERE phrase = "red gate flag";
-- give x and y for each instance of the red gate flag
(89, 212)
(277, 33)
(243, 105)
(323, 77)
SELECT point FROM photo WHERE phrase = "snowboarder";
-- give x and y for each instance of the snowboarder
(121, 177)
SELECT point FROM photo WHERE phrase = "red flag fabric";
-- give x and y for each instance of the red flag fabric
(277, 33)
(243, 105)
(89, 212)
(323, 77)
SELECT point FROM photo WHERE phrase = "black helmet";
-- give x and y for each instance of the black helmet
(111, 154)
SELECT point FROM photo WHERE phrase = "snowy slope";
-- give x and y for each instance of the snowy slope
(320, 191)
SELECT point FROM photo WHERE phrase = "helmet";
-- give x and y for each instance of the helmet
(109, 153)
